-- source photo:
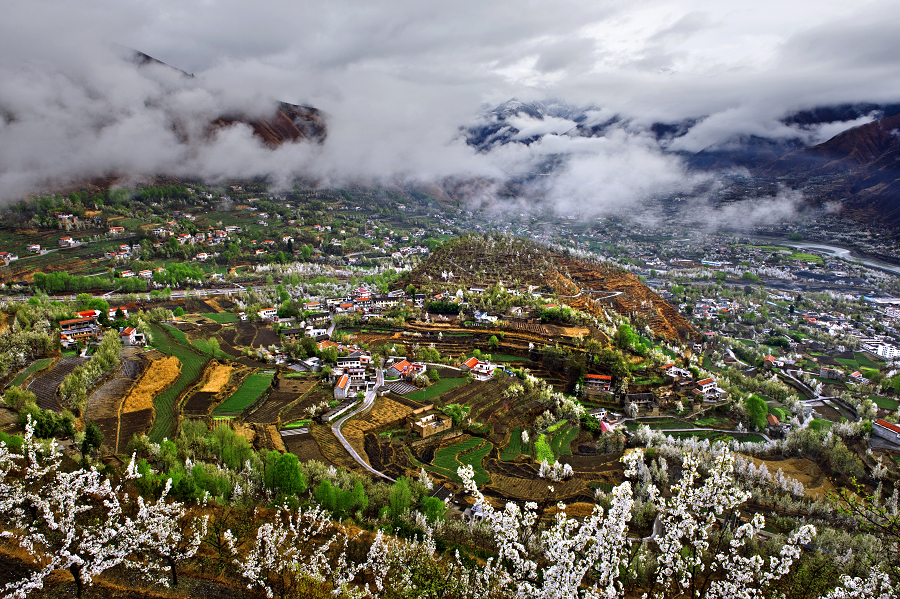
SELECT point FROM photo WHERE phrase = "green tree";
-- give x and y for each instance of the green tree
(757, 410)
(93, 438)
(433, 508)
(287, 476)
(493, 342)
(456, 412)
(624, 337)
(399, 499)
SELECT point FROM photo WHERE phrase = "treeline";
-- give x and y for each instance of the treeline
(63, 282)
(75, 388)
(177, 273)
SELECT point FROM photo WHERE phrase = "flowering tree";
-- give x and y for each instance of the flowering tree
(165, 534)
(290, 550)
(67, 520)
(693, 556)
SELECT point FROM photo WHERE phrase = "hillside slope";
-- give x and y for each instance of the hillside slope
(486, 260)
(864, 163)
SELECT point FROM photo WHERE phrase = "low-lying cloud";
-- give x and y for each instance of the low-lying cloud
(397, 80)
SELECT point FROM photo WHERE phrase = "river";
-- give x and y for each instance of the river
(838, 252)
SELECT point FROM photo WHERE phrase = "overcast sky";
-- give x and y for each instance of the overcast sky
(397, 78)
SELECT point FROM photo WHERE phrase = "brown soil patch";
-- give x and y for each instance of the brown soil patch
(806, 471)
(158, 376)
(385, 410)
(217, 378)
(214, 304)
(577, 510)
(246, 431)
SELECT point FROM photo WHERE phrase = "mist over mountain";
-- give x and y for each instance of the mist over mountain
(651, 102)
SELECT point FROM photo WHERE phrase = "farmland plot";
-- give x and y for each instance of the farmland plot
(462, 451)
(192, 364)
(385, 410)
(104, 404)
(254, 386)
(137, 408)
(32, 368)
(44, 386)
(285, 393)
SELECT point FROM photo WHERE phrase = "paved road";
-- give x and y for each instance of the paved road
(366, 404)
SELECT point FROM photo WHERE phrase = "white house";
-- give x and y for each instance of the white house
(268, 313)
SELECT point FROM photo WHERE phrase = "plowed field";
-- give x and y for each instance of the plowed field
(44, 386)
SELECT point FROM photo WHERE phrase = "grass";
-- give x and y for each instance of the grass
(254, 386)
(439, 388)
(33, 367)
(508, 358)
(222, 317)
(191, 366)
(514, 448)
(885, 403)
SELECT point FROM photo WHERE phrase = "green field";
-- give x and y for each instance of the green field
(562, 439)
(221, 317)
(514, 448)
(33, 367)
(203, 345)
(254, 386)
(885, 403)
(507, 358)
(442, 386)
(472, 451)
(192, 364)
(864, 361)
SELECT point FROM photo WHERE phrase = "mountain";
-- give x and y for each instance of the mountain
(288, 123)
(285, 123)
(862, 166)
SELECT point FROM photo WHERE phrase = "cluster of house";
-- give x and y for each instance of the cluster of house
(211, 237)
(86, 327)
(123, 252)
(8, 257)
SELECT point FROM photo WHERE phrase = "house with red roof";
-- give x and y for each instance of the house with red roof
(887, 431)
(597, 383)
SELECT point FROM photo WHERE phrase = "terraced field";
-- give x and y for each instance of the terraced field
(254, 386)
(44, 387)
(192, 365)
(384, 411)
(32, 368)
(470, 451)
(284, 394)
(104, 404)
(514, 447)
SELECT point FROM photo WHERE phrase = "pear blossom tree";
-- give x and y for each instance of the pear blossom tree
(692, 558)
(165, 534)
(71, 521)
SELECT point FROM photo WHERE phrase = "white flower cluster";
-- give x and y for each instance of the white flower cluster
(78, 521)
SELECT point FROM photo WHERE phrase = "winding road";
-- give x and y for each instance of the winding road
(366, 405)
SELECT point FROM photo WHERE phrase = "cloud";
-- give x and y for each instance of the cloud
(398, 78)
